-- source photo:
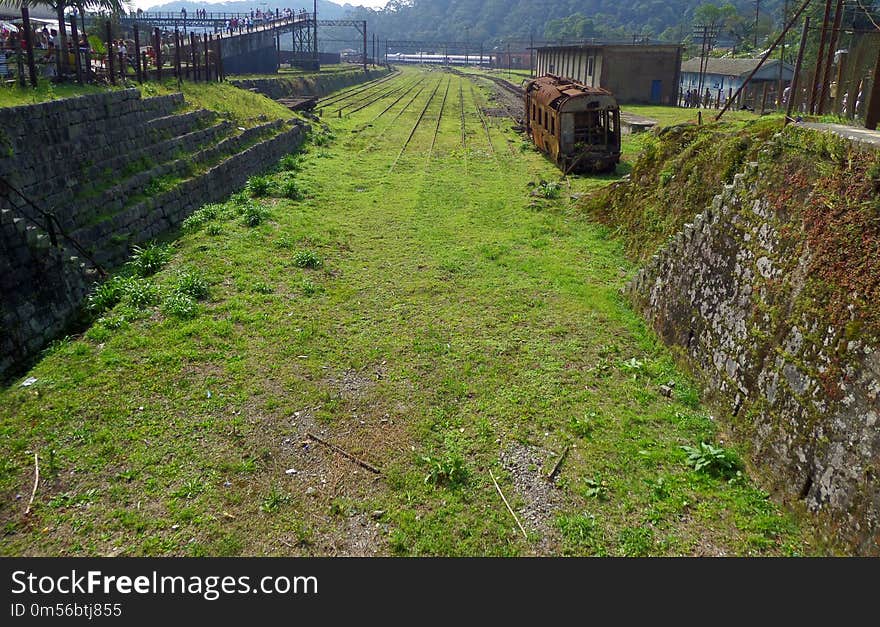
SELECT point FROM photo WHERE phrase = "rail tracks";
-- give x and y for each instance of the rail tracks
(416, 125)
(359, 89)
(439, 119)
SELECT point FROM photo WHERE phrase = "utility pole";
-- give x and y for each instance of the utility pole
(767, 54)
(757, 13)
(817, 75)
(315, 36)
(829, 58)
(795, 80)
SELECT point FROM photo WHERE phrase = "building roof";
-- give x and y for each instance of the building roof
(608, 44)
(728, 67)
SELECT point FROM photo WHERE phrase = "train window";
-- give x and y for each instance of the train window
(590, 66)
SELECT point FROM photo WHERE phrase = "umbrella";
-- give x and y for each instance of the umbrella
(4, 26)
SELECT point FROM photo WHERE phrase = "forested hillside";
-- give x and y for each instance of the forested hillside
(494, 20)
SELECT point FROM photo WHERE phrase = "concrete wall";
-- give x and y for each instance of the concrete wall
(803, 391)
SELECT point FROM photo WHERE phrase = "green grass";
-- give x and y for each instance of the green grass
(12, 95)
(452, 318)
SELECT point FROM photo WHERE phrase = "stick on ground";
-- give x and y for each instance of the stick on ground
(518, 524)
(36, 483)
(345, 454)
(552, 474)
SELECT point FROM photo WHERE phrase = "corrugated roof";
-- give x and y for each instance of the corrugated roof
(727, 67)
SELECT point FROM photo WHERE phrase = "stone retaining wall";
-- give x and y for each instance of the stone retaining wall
(43, 287)
(805, 393)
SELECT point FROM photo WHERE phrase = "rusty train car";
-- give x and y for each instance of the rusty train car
(576, 125)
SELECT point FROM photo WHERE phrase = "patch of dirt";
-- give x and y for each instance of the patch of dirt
(353, 385)
(524, 464)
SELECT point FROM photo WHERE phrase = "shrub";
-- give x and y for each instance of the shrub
(254, 215)
(214, 230)
(106, 295)
(291, 190)
(290, 163)
(148, 261)
(201, 217)
(140, 293)
(192, 284)
(713, 460)
(448, 470)
(180, 306)
(307, 259)
(258, 186)
(310, 289)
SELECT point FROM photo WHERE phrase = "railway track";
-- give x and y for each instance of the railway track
(400, 113)
(439, 119)
(483, 121)
(416, 125)
(359, 89)
(371, 98)
(407, 88)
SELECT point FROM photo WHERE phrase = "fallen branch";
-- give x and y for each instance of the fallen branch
(344, 453)
(36, 483)
(512, 513)
(552, 474)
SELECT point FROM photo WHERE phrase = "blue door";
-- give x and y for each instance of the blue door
(656, 92)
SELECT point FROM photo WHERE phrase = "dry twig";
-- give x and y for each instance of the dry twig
(518, 524)
(345, 454)
(36, 483)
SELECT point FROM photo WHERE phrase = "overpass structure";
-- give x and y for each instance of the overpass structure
(250, 44)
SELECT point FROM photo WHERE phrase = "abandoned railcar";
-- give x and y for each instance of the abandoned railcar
(576, 125)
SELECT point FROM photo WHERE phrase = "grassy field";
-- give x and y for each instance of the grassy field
(421, 294)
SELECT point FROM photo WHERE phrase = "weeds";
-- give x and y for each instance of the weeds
(273, 501)
(148, 261)
(307, 259)
(291, 190)
(192, 284)
(180, 306)
(258, 186)
(449, 470)
(254, 215)
(713, 460)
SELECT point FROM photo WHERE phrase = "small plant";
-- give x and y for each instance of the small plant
(291, 190)
(148, 261)
(632, 365)
(290, 163)
(309, 288)
(595, 489)
(201, 217)
(258, 186)
(261, 287)
(582, 426)
(660, 488)
(273, 501)
(306, 259)
(214, 230)
(449, 470)
(549, 191)
(254, 215)
(192, 284)
(180, 306)
(108, 294)
(714, 460)
(140, 293)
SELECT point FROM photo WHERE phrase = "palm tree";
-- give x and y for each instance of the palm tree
(112, 6)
